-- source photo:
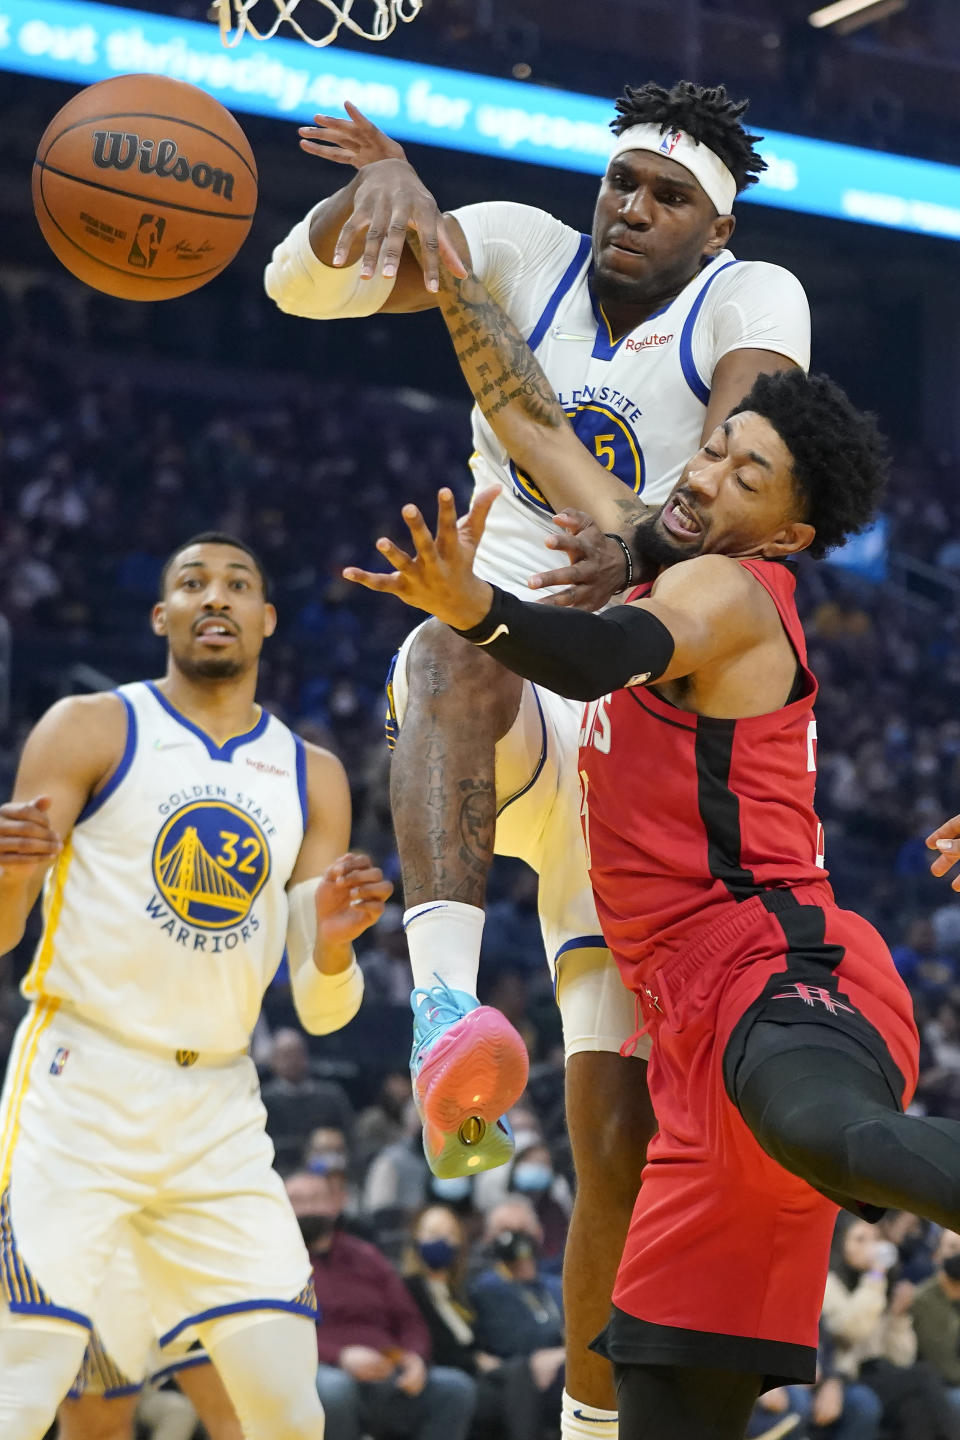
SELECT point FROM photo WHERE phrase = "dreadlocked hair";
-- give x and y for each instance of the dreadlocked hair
(840, 458)
(708, 115)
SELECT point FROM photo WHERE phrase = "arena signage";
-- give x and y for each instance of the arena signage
(82, 42)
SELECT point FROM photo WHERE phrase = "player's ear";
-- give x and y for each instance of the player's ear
(158, 618)
(789, 540)
(720, 232)
(269, 620)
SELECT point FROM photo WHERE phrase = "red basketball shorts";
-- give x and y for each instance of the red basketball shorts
(726, 1259)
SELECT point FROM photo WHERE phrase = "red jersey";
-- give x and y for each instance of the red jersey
(684, 814)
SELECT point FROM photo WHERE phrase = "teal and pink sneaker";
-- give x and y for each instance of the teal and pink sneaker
(468, 1066)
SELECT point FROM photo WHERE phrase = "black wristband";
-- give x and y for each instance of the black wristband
(612, 535)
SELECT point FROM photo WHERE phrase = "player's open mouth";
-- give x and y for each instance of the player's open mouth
(215, 632)
(679, 519)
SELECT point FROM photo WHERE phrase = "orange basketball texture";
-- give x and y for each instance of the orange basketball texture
(144, 187)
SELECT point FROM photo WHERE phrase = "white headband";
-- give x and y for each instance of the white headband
(702, 163)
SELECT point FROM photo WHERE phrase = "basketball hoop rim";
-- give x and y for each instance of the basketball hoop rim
(233, 19)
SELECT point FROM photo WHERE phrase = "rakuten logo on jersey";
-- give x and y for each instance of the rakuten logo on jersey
(650, 342)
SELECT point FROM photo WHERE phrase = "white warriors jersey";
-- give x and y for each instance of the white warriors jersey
(165, 917)
(638, 403)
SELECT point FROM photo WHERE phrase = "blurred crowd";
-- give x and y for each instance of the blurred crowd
(103, 471)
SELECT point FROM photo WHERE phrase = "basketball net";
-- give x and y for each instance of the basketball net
(235, 22)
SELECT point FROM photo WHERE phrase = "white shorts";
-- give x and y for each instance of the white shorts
(538, 820)
(107, 1147)
(125, 1304)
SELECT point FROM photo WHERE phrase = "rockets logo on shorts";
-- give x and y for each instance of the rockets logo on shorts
(210, 861)
(814, 995)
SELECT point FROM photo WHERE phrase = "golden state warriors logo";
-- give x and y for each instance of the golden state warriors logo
(609, 440)
(210, 862)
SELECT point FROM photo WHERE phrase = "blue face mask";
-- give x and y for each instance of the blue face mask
(437, 1254)
(453, 1187)
(531, 1178)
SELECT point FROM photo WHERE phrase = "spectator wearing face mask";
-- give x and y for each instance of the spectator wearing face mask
(519, 1309)
(374, 1375)
(869, 1324)
(509, 1403)
(936, 1315)
(533, 1175)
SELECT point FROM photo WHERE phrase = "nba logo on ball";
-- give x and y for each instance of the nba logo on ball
(144, 187)
(146, 242)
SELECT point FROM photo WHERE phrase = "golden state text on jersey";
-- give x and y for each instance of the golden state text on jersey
(166, 914)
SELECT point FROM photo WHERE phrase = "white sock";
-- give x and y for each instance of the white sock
(443, 937)
(586, 1422)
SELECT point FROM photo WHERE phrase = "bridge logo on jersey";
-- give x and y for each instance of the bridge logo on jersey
(210, 861)
(609, 440)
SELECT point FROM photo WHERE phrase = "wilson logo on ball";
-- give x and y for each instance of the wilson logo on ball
(120, 149)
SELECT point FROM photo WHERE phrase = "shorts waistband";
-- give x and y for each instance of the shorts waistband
(185, 1058)
(741, 916)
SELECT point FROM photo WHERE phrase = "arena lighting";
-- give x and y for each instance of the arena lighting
(850, 15)
(460, 111)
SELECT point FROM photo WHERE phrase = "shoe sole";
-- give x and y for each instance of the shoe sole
(449, 1158)
(479, 1067)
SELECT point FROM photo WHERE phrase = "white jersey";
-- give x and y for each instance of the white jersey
(637, 403)
(165, 917)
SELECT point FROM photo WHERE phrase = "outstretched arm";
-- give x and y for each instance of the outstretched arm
(347, 257)
(704, 611)
(517, 400)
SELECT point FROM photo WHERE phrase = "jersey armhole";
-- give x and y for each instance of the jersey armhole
(126, 760)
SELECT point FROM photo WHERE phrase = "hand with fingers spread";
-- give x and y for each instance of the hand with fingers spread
(27, 838)
(350, 898)
(946, 840)
(355, 141)
(439, 576)
(596, 568)
(389, 200)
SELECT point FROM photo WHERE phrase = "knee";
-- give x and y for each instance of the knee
(453, 1389)
(337, 1390)
(611, 1123)
(95, 1418)
(862, 1403)
(443, 668)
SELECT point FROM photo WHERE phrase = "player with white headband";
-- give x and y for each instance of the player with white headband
(651, 332)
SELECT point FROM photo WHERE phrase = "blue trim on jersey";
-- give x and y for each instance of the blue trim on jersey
(604, 345)
(44, 1307)
(126, 760)
(114, 1392)
(540, 763)
(579, 942)
(391, 725)
(295, 1307)
(188, 1362)
(215, 751)
(690, 372)
(302, 780)
(553, 304)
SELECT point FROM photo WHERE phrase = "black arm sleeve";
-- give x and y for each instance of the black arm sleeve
(571, 652)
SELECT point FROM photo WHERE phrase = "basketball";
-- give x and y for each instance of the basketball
(144, 187)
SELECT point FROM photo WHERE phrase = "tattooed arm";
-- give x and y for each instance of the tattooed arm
(517, 400)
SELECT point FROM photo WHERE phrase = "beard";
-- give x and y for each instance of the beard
(211, 667)
(654, 547)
